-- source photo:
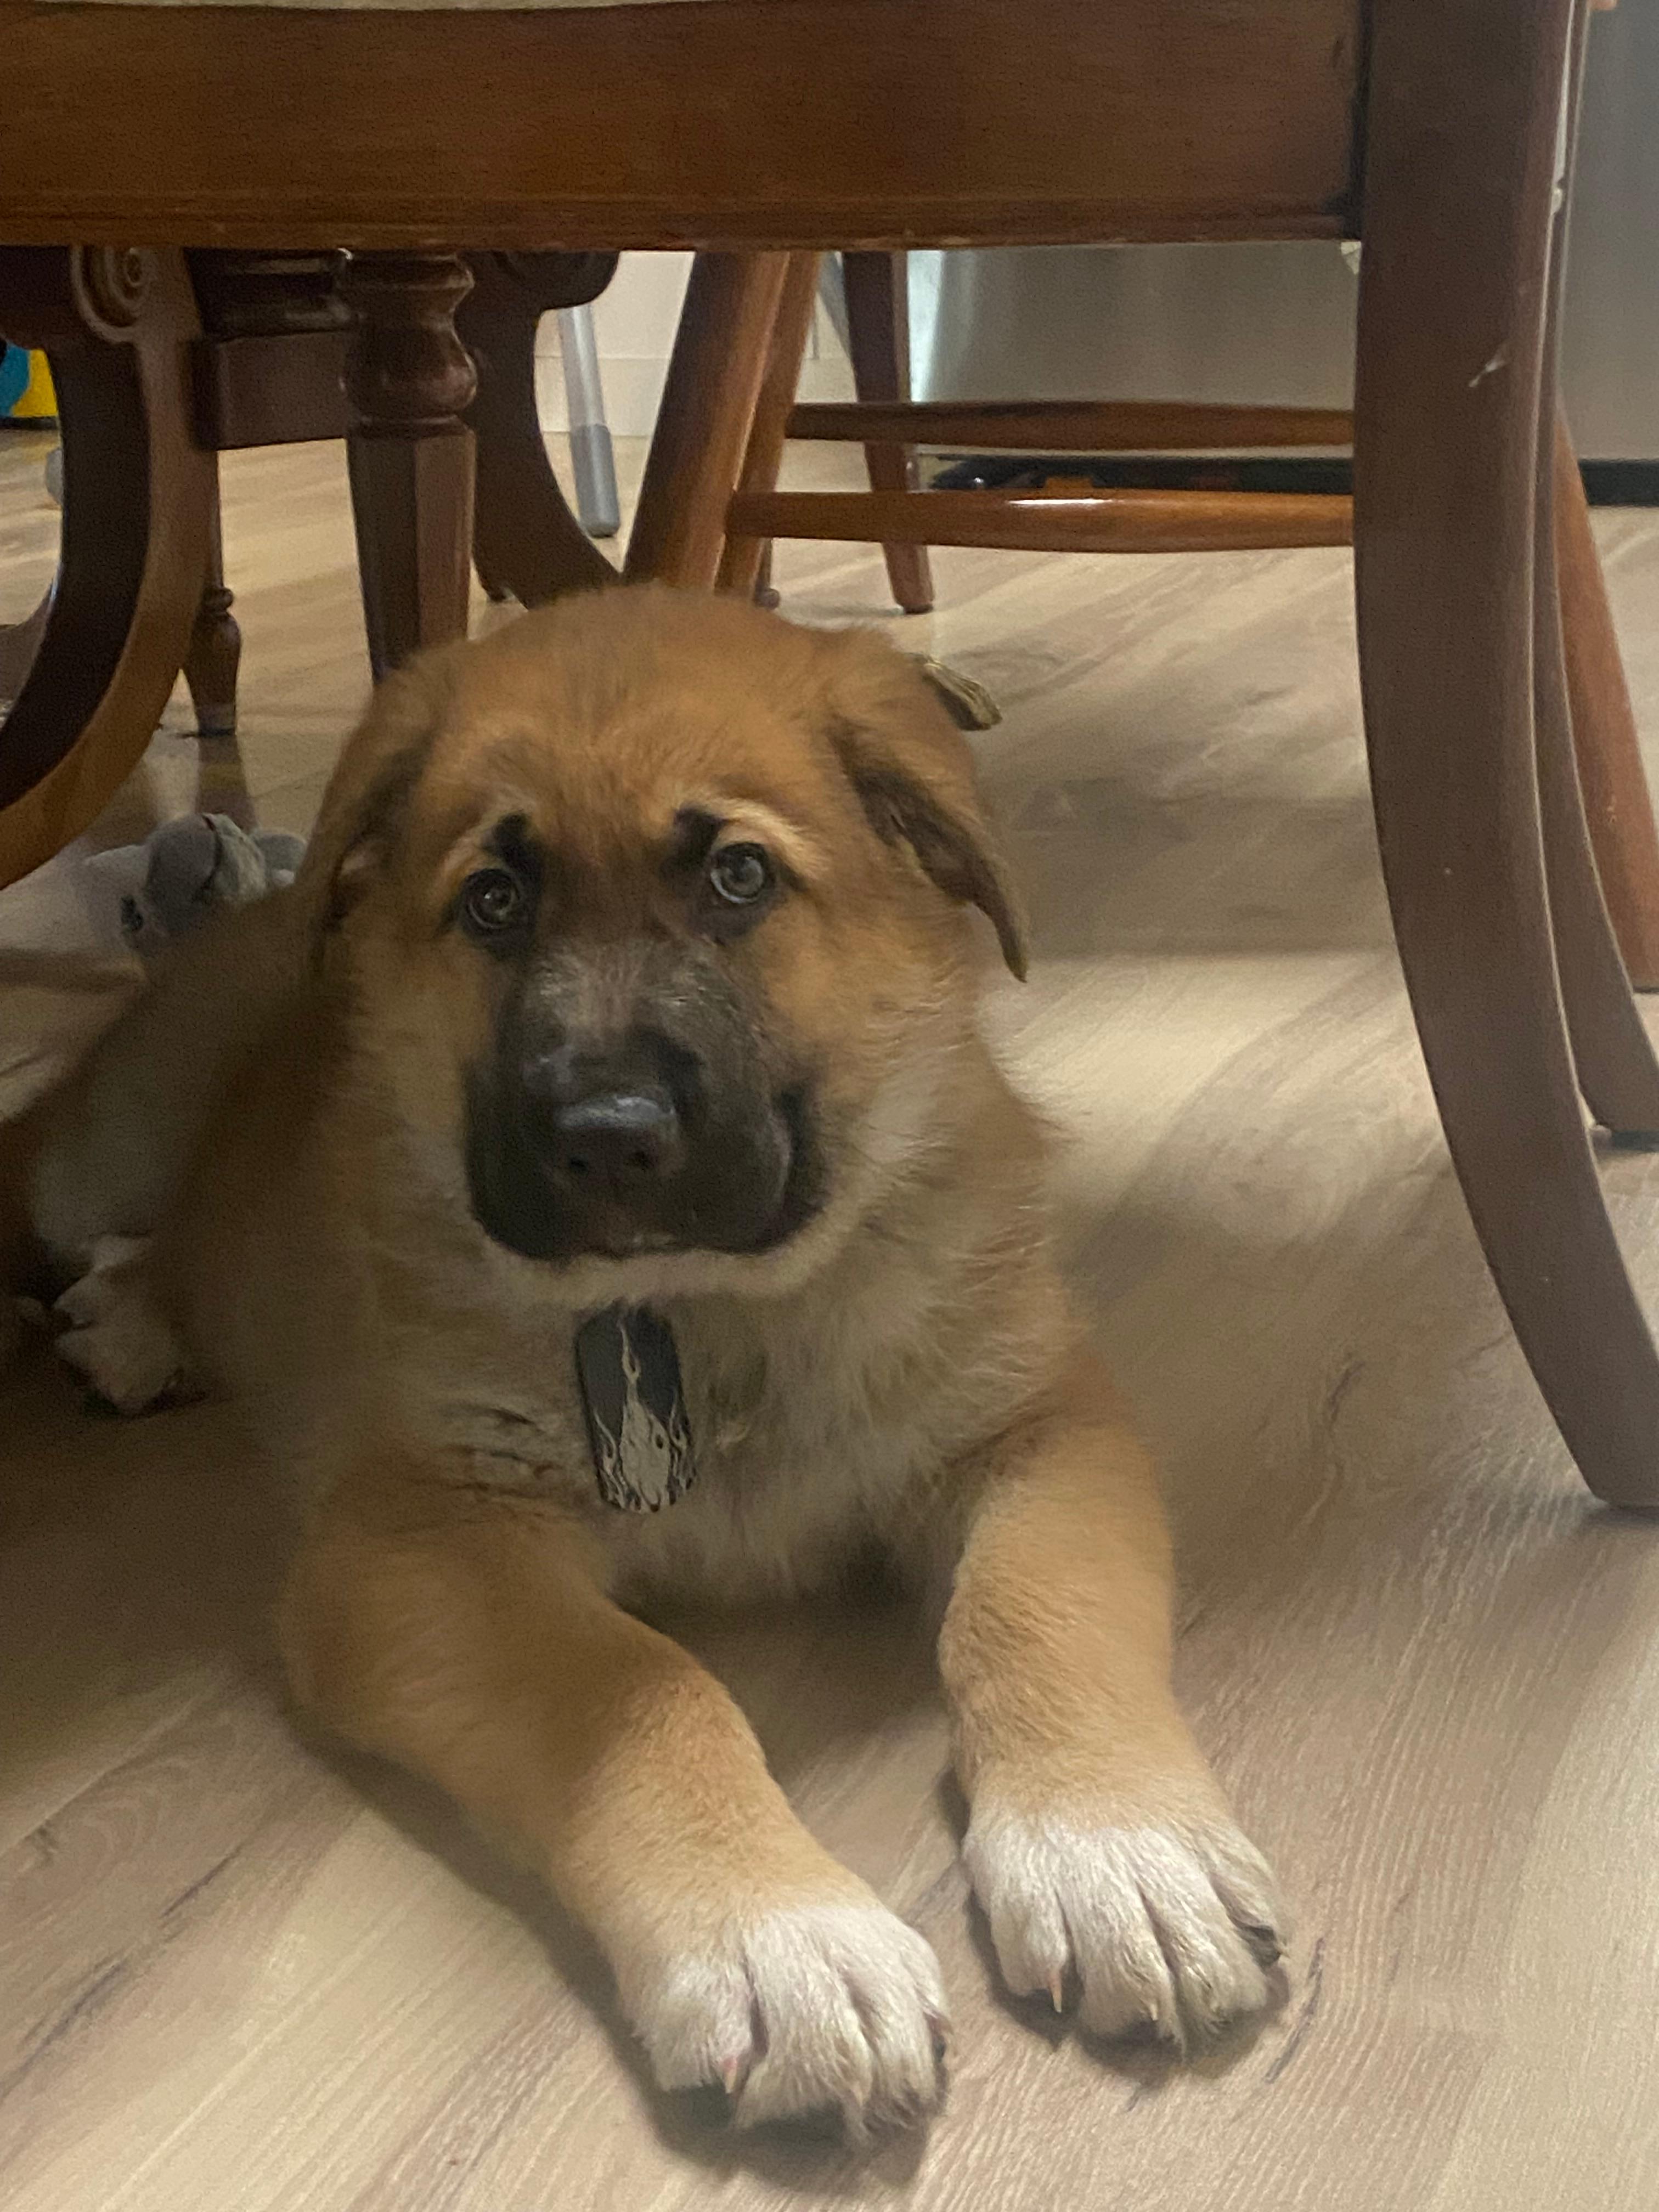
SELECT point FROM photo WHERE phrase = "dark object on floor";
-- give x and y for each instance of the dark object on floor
(1607, 483)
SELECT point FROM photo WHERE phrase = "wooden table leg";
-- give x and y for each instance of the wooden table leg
(116, 324)
(1460, 174)
(410, 381)
(878, 327)
(702, 427)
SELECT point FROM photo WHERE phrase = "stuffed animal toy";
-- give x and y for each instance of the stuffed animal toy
(183, 872)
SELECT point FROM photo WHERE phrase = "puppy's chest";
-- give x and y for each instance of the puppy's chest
(805, 1448)
(800, 1465)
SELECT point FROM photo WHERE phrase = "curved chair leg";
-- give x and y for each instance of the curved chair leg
(1460, 175)
(214, 657)
(744, 558)
(878, 332)
(1618, 803)
(526, 543)
(1617, 1071)
(19, 643)
(138, 507)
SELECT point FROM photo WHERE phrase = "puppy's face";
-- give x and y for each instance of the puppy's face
(653, 910)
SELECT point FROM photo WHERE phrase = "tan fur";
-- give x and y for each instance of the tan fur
(903, 1369)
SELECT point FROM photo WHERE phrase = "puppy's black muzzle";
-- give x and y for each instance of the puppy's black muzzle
(650, 1143)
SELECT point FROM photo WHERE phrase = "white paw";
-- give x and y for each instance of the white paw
(117, 1339)
(805, 2010)
(1166, 1927)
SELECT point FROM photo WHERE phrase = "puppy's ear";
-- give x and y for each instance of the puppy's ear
(368, 796)
(913, 775)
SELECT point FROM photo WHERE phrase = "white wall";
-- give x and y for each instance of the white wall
(634, 323)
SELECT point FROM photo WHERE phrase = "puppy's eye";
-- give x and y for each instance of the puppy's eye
(740, 874)
(491, 902)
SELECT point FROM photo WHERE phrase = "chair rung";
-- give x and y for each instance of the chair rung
(1051, 522)
(1077, 426)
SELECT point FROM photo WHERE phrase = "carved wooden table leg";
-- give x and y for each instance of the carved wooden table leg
(526, 541)
(410, 381)
(116, 325)
(215, 645)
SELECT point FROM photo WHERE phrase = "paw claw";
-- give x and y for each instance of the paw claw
(1145, 1915)
(1264, 1942)
(807, 2010)
(733, 2073)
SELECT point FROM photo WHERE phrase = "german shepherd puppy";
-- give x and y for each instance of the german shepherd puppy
(592, 1179)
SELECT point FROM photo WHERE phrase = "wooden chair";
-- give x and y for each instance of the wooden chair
(1618, 805)
(214, 352)
(89, 673)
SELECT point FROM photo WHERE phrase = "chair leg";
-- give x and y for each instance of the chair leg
(593, 455)
(1616, 801)
(117, 325)
(879, 331)
(526, 542)
(19, 643)
(1617, 1074)
(410, 381)
(702, 427)
(215, 656)
(1617, 1071)
(1460, 175)
(767, 593)
(744, 558)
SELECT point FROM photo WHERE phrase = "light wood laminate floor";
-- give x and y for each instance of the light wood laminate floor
(238, 1971)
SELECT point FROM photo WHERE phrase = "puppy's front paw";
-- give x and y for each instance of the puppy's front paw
(1160, 1924)
(118, 1340)
(808, 2008)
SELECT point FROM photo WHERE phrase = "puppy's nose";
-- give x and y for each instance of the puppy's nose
(616, 1144)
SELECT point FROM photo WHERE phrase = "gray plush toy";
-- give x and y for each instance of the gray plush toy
(184, 871)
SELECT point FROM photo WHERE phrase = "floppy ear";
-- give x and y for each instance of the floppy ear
(913, 775)
(367, 797)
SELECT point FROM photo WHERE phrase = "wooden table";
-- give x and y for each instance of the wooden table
(410, 136)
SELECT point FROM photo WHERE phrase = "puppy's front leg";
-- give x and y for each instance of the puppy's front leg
(1099, 1843)
(468, 1637)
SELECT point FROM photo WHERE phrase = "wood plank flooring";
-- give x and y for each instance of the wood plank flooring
(239, 1972)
